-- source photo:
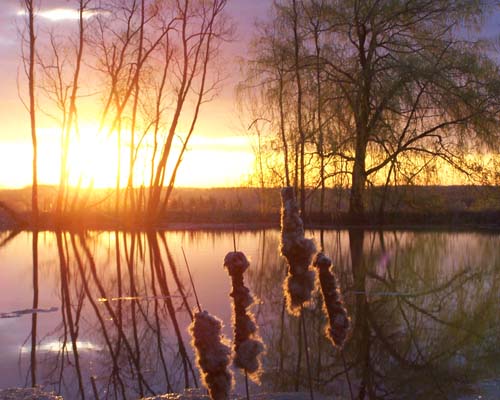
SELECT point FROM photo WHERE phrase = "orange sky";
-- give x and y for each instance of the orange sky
(220, 152)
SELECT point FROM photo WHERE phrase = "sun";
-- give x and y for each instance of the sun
(93, 160)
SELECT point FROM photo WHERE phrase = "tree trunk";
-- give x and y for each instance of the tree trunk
(282, 131)
(130, 183)
(32, 107)
(356, 201)
(300, 127)
(72, 114)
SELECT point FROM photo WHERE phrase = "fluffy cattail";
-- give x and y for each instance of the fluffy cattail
(298, 252)
(212, 354)
(339, 321)
(247, 344)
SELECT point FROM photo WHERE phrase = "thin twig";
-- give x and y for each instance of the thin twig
(191, 279)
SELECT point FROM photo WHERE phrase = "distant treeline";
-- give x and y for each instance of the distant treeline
(404, 205)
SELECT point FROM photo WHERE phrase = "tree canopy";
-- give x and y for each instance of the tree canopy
(385, 83)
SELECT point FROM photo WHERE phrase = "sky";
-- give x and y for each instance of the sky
(219, 141)
(220, 152)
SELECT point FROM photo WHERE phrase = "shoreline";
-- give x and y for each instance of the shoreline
(490, 223)
(418, 208)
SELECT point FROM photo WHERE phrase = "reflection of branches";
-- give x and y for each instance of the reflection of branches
(116, 368)
(11, 235)
(158, 327)
(463, 277)
(401, 313)
(159, 267)
(66, 307)
(392, 332)
(444, 317)
(34, 316)
(102, 293)
(420, 353)
(130, 263)
(173, 268)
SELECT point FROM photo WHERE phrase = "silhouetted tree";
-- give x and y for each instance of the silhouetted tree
(29, 68)
(403, 80)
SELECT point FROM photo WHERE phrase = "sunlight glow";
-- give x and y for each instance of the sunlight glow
(209, 168)
(93, 161)
(57, 346)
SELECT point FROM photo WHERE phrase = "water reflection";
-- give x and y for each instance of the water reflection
(425, 310)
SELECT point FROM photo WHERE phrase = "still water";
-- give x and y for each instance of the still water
(113, 310)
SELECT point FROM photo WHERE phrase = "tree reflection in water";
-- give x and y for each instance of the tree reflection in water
(424, 307)
(425, 315)
(122, 316)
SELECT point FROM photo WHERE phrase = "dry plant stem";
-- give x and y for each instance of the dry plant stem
(299, 356)
(247, 344)
(212, 355)
(338, 320)
(246, 385)
(191, 280)
(298, 252)
(306, 347)
(282, 336)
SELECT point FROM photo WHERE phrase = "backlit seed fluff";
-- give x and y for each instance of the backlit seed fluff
(248, 345)
(298, 252)
(212, 355)
(338, 319)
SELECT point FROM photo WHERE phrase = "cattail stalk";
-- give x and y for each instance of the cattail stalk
(298, 252)
(338, 319)
(212, 354)
(306, 346)
(248, 345)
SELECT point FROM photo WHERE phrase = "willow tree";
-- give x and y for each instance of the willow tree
(274, 91)
(404, 79)
(411, 81)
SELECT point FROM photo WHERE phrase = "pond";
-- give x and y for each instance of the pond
(113, 310)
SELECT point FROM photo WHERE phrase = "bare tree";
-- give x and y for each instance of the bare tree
(180, 39)
(201, 28)
(29, 67)
(60, 82)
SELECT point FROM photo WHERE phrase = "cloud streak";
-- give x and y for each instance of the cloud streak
(63, 14)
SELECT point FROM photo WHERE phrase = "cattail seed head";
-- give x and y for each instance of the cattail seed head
(248, 345)
(298, 252)
(212, 354)
(338, 319)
